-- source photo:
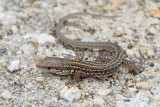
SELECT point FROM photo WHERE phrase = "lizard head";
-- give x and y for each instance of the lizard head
(51, 63)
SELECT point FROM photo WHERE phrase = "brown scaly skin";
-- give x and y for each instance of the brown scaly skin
(77, 68)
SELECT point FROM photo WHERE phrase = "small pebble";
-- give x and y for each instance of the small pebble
(137, 22)
(9, 53)
(6, 95)
(151, 64)
(119, 96)
(137, 54)
(71, 93)
(144, 52)
(129, 52)
(155, 50)
(144, 85)
(151, 77)
(156, 69)
(154, 21)
(14, 65)
(99, 102)
(4, 50)
(132, 90)
(9, 18)
(119, 31)
(104, 92)
(63, 2)
(71, 37)
(27, 47)
(150, 53)
(14, 29)
(152, 31)
(39, 79)
(76, 104)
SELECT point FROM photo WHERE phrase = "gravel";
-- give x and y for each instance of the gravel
(26, 38)
(14, 65)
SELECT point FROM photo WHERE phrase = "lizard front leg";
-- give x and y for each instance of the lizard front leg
(76, 78)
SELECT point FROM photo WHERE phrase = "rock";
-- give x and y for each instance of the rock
(129, 52)
(6, 95)
(144, 52)
(156, 69)
(71, 93)
(151, 77)
(8, 18)
(62, 1)
(151, 64)
(119, 31)
(27, 47)
(137, 54)
(154, 21)
(41, 38)
(60, 50)
(71, 37)
(14, 29)
(152, 31)
(129, 32)
(144, 85)
(132, 90)
(137, 22)
(39, 79)
(100, 2)
(119, 96)
(14, 65)
(99, 102)
(76, 104)
(4, 50)
(150, 53)
(155, 50)
(104, 92)
(28, 86)
(141, 100)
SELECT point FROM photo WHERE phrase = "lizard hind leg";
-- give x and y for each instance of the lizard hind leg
(76, 78)
(132, 67)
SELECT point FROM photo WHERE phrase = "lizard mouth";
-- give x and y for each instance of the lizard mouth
(54, 68)
(49, 68)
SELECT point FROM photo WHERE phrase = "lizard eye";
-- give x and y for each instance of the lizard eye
(48, 68)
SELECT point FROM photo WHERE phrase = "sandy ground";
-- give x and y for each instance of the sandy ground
(25, 39)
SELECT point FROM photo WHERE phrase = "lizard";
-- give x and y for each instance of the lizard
(78, 68)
